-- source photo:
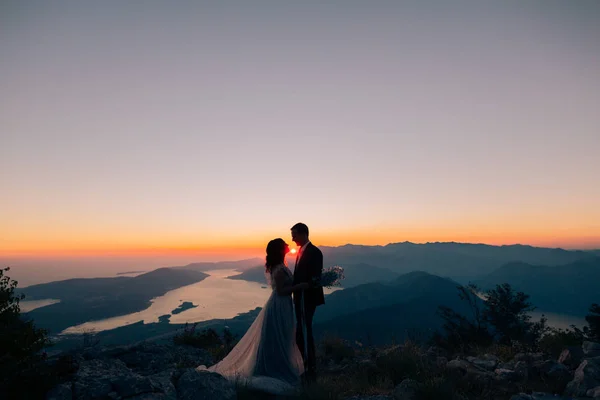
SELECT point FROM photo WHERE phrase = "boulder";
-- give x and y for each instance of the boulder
(522, 369)
(151, 396)
(406, 390)
(195, 384)
(458, 364)
(61, 392)
(594, 393)
(507, 375)
(591, 349)
(437, 351)
(587, 377)
(164, 381)
(571, 356)
(535, 396)
(529, 357)
(97, 379)
(486, 364)
(441, 362)
(558, 372)
(149, 359)
(398, 348)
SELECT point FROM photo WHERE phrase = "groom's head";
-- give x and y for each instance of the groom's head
(300, 234)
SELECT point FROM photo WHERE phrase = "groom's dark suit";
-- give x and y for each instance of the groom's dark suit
(309, 267)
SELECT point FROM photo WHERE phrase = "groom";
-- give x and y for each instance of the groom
(308, 268)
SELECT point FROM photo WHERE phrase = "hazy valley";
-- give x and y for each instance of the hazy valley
(154, 321)
(389, 291)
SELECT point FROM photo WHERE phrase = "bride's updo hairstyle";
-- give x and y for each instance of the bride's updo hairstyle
(276, 251)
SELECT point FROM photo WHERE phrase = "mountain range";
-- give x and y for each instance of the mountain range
(566, 289)
(90, 299)
(240, 265)
(355, 274)
(383, 295)
(383, 311)
(459, 261)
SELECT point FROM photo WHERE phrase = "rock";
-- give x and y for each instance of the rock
(587, 376)
(132, 384)
(591, 349)
(507, 365)
(571, 356)
(437, 351)
(164, 381)
(150, 359)
(463, 368)
(458, 364)
(559, 373)
(97, 379)
(406, 390)
(507, 375)
(194, 385)
(61, 392)
(594, 393)
(480, 376)
(441, 362)
(529, 357)
(535, 396)
(522, 369)
(488, 365)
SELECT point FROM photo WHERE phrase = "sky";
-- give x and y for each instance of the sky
(212, 127)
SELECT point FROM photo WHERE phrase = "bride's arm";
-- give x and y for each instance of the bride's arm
(285, 289)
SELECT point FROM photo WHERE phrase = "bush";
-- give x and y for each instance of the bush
(207, 339)
(337, 349)
(556, 340)
(404, 362)
(507, 312)
(461, 332)
(23, 372)
(593, 320)
(498, 316)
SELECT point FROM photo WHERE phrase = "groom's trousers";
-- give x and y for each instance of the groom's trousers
(311, 359)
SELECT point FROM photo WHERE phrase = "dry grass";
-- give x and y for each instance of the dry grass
(377, 371)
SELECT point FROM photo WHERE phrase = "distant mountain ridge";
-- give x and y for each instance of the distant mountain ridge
(355, 274)
(459, 261)
(405, 288)
(568, 289)
(89, 299)
(377, 313)
(240, 265)
(384, 285)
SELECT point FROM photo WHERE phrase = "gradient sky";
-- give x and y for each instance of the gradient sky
(195, 126)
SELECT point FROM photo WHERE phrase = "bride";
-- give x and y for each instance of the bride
(267, 357)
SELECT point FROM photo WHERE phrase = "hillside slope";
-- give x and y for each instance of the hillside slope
(83, 300)
(355, 274)
(567, 289)
(459, 261)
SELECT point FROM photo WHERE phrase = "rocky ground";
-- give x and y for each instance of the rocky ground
(166, 372)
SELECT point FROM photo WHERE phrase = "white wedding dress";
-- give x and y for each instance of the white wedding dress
(267, 357)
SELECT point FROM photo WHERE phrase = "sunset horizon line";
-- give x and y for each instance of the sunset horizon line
(257, 251)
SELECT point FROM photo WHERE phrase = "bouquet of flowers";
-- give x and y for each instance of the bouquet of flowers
(331, 277)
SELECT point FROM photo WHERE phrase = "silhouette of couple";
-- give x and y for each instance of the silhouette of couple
(277, 352)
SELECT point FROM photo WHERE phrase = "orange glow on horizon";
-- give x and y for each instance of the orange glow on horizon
(255, 248)
(78, 242)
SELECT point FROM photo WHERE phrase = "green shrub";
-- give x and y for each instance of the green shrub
(23, 372)
(207, 339)
(337, 349)
(405, 362)
(556, 340)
